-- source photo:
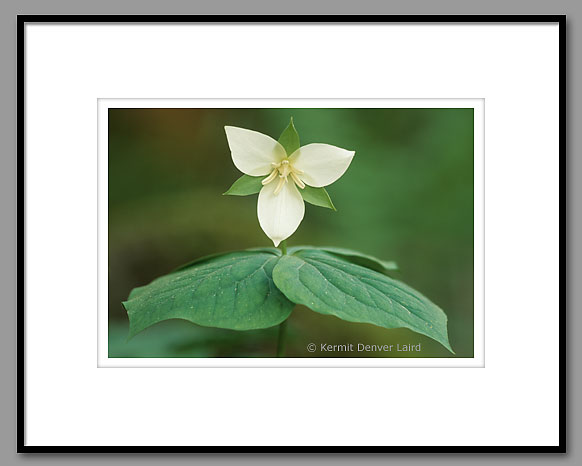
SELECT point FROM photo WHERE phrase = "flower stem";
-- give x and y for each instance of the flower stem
(282, 339)
(283, 325)
(283, 247)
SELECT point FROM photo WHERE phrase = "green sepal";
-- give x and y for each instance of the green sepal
(245, 186)
(317, 196)
(289, 138)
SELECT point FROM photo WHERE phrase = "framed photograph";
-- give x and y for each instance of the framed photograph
(282, 226)
(304, 310)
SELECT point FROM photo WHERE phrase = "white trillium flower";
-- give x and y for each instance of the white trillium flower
(280, 207)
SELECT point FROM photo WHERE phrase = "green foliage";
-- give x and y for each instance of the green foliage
(275, 251)
(256, 289)
(245, 186)
(232, 291)
(355, 257)
(330, 285)
(289, 138)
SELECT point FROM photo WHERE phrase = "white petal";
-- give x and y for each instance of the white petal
(281, 214)
(253, 152)
(321, 164)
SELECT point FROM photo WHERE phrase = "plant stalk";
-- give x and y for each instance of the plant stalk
(283, 325)
(282, 339)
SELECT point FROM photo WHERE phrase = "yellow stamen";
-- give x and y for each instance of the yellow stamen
(298, 182)
(284, 169)
(282, 181)
(270, 178)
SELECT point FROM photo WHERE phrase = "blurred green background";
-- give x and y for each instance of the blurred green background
(407, 196)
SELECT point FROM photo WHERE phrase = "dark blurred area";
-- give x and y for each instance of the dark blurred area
(407, 197)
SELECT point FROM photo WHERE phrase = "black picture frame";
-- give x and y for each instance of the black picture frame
(23, 20)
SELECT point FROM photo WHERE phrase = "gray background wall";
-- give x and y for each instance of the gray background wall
(9, 9)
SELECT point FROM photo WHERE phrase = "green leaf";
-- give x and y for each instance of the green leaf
(245, 186)
(233, 291)
(317, 196)
(275, 251)
(289, 138)
(355, 257)
(269, 249)
(330, 285)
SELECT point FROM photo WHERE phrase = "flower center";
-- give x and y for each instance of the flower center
(283, 169)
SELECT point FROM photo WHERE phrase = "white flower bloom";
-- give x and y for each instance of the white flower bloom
(280, 207)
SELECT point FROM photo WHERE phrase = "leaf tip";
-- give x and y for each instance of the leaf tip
(447, 344)
(331, 205)
(134, 329)
(131, 333)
